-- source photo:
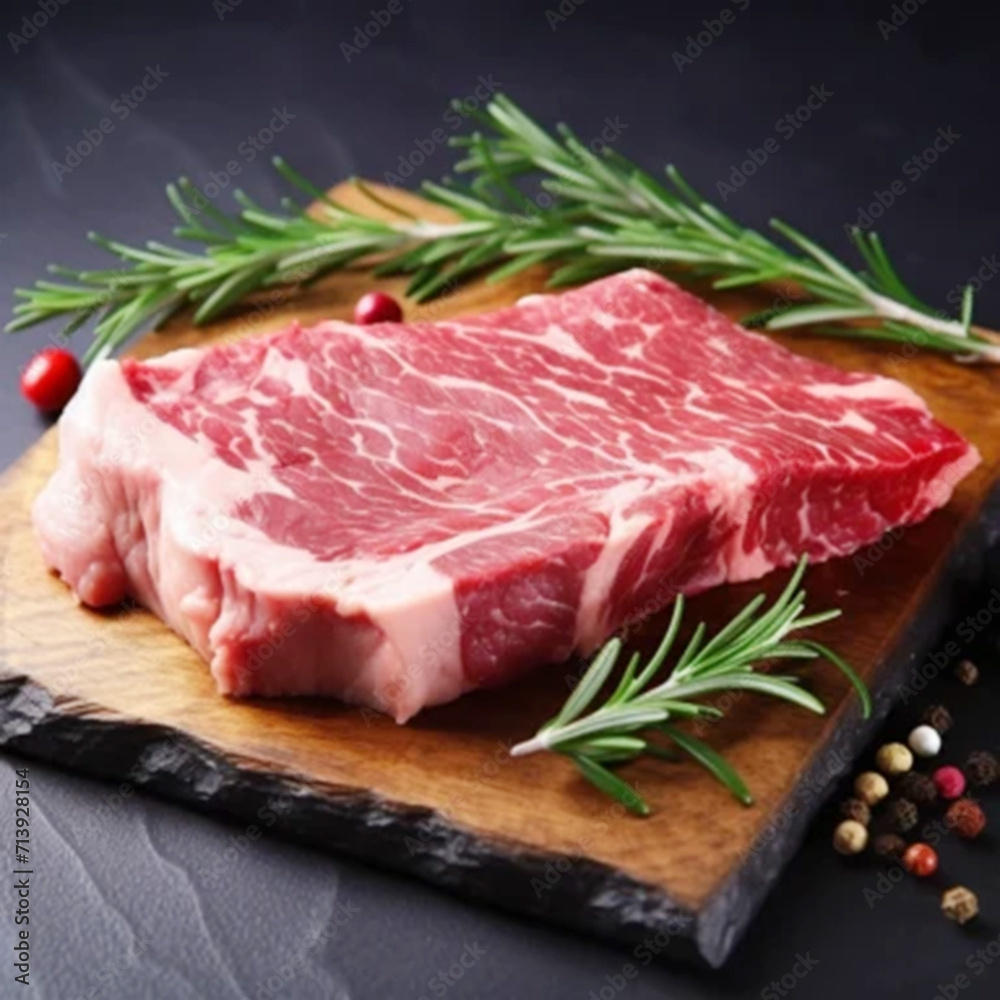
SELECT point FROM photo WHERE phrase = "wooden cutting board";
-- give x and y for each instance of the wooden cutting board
(119, 695)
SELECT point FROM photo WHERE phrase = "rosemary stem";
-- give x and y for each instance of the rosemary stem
(891, 309)
(534, 745)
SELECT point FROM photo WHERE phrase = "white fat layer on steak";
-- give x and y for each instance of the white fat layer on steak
(871, 389)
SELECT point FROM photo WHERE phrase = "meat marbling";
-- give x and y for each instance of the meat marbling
(396, 514)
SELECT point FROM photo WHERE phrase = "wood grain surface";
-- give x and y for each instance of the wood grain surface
(476, 820)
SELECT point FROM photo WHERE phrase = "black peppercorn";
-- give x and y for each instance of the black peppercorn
(982, 768)
(857, 810)
(903, 815)
(967, 672)
(889, 845)
(939, 718)
(918, 788)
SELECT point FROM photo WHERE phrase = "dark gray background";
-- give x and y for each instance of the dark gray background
(108, 875)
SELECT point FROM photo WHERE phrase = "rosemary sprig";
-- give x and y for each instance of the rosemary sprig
(601, 214)
(640, 712)
(635, 219)
(243, 253)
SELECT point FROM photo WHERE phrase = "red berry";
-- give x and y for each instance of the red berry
(50, 379)
(920, 860)
(950, 782)
(377, 307)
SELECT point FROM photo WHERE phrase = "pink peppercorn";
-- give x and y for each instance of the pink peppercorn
(949, 781)
(377, 307)
(920, 860)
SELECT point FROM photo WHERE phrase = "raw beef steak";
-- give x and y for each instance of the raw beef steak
(396, 514)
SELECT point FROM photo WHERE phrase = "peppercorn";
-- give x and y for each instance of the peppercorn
(920, 860)
(949, 781)
(377, 307)
(966, 818)
(850, 837)
(889, 846)
(925, 741)
(939, 717)
(893, 759)
(959, 903)
(50, 378)
(982, 768)
(903, 815)
(856, 809)
(871, 787)
(918, 788)
(967, 672)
